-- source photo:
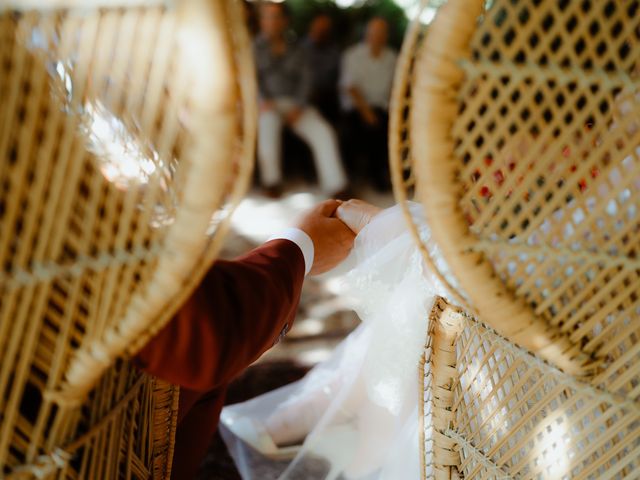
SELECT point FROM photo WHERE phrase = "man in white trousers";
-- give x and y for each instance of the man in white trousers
(284, 85)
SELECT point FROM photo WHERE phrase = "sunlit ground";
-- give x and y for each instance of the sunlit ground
(324, 316)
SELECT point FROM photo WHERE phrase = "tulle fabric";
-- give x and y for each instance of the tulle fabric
(358, 410)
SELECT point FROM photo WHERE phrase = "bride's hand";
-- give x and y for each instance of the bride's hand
(356, 214)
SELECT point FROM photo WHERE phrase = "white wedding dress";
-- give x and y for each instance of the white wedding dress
(358, 412)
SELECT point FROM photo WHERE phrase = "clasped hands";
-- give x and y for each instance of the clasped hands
(332, 226)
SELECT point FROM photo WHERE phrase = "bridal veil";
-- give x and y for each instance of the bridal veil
(358, 411)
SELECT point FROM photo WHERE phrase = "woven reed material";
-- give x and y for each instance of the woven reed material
(126, 430)
(123, 154)
(524, 133)
(512, 415)
(440, 459)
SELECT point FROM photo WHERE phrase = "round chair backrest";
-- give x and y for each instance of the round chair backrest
(521, 125)
(126, 140)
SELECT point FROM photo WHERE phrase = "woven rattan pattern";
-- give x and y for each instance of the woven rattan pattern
(513, 415)
(524, 134)
(122, 158)
(555, 138)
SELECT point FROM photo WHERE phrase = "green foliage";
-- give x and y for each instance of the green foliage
(350, 22)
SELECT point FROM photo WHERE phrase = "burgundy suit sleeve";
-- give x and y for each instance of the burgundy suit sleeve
(240, 310)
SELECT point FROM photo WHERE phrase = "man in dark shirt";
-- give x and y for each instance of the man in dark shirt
(323, 56)
(284, 82)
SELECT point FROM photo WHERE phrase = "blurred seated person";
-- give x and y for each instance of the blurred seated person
(365, 83)
(323, 56)
(284, 83)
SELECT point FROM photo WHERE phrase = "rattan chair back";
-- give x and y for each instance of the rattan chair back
(495, 411)
(126, 139)
(522, 127)
(517, 125)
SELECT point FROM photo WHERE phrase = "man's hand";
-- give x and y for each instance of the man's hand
(356, 214)
(293, 116)
(369, 116)
(267, 105)
(364, 109)
(332, 239)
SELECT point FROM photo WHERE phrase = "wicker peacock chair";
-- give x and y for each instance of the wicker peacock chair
(522, 127)
(126, 139)
(516, 123)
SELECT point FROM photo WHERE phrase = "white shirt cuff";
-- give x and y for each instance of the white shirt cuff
(303, 241)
